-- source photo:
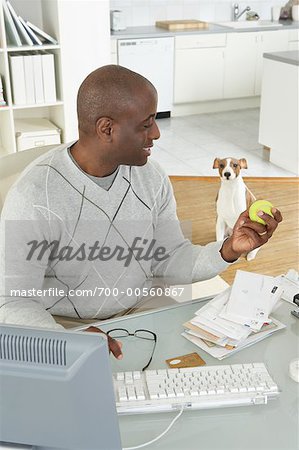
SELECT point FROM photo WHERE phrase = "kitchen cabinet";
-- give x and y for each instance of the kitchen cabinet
(294, 40)
(244, 60)
(240, 65)
(268, 41)
(279, 116)
(199, 64)
(113, 52)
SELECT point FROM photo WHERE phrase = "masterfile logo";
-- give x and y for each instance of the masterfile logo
(141, 249)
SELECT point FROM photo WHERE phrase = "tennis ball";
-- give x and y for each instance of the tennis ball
(260, 205)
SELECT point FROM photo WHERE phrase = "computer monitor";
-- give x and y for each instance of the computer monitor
(56, 390)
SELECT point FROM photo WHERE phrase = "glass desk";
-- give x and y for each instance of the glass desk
(272, 426)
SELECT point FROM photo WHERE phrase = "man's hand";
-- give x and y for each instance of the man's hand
(248, 235)
(114, 345)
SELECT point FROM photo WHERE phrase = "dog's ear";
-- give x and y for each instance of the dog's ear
(243, 163)
(216, 163)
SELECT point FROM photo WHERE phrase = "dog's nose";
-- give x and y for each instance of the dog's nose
(227, 175)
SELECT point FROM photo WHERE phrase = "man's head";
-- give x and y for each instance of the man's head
(116, 111)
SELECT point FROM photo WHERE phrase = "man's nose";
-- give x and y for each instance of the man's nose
(155, 132)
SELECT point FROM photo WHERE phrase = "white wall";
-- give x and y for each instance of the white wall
(146, 12)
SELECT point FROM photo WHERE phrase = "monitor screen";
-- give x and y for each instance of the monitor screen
(56, 390)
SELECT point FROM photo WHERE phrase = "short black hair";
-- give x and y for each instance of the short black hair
(107, 92)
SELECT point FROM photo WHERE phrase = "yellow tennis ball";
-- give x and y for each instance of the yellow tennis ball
(260, 205)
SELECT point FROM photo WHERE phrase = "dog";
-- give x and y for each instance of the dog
(233, 197)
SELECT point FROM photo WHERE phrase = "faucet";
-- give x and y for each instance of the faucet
(237, 14)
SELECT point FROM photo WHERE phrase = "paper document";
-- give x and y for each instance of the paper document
(208, 315)
(202, 289)
(252, 299)
(222, 352)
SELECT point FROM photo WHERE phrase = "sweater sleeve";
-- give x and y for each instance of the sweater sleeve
(21, 278)
(183, 262)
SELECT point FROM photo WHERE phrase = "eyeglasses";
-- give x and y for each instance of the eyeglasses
(141, 334)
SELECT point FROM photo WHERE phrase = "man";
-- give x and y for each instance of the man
(89, 225)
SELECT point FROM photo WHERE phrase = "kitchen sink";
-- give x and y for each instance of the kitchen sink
(249, 24)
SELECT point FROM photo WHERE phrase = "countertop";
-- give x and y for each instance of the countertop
(153, 32)
(288, 57)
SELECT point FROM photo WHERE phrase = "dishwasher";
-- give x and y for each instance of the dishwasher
(154, 59)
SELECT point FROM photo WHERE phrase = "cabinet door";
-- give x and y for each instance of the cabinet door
(269, 41)
(240, 65)
(294, 40)
(198, 74)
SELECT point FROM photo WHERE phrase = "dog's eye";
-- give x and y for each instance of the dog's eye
(221, 166)
(235, 165)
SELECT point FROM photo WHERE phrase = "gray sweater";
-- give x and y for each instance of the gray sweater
(70, 247)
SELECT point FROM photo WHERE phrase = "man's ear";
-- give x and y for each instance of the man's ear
(104, 126)
(216, 163)
(243, 163)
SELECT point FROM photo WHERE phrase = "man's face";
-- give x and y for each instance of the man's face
(135, 131)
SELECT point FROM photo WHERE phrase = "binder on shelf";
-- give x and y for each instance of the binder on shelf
(18, 79)
(38, 78)
(20, 28)
(29, 79)
(2, 99)
(48, 69)
(12, 32)
(41, 33)
(35, 39)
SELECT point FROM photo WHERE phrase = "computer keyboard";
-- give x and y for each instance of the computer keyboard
(193, 388)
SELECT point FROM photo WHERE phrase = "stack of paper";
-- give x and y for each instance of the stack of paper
(238, 317)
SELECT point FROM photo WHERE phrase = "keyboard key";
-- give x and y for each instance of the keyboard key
(120, 376)
(153, 396)
(178, 392)
(170, 393)
(128, 378)
(122, 392)
(203, 392)
(194, 393)
(140, 393)
(220, 390)
(242, 389)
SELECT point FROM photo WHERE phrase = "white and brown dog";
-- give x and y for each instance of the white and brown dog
(233, 197)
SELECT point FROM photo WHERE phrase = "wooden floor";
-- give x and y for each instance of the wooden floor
(195, 198)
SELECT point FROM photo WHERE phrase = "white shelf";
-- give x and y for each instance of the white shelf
(4, 108)
(26, 48)
(37, 105)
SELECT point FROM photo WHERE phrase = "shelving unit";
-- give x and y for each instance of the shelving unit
(83, 33)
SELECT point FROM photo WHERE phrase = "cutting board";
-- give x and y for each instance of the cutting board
(173, 25)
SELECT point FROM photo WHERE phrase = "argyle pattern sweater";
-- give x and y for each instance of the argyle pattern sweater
(72, 248)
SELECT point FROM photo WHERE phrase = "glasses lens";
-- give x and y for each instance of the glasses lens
(143, 334)
(118, 333)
